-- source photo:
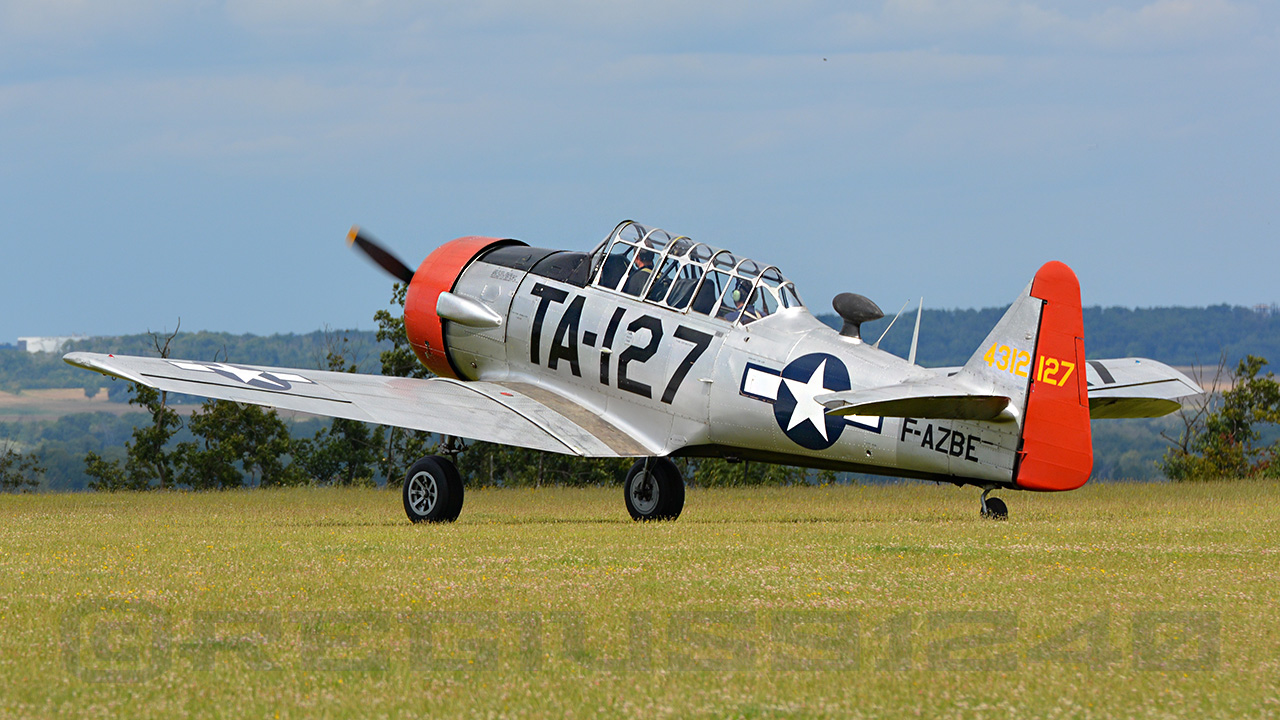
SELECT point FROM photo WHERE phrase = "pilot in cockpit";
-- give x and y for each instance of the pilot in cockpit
(734, 305)
(641, 269)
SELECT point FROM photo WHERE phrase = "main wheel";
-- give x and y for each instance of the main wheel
(432, 491)
(455, 487)
(654, 490)
(995, 509)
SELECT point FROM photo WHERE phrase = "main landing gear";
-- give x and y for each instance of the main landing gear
(433, 490)
(993, 508)
(654, 490)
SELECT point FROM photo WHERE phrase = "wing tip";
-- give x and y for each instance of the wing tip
(94, 362)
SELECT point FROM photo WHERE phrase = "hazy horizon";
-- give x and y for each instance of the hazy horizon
(828, 312)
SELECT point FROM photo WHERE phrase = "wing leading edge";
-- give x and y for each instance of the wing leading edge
(509, 413)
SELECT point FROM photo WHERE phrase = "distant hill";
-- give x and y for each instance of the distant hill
(20, 370)
(1122, 449)
(1176, 336)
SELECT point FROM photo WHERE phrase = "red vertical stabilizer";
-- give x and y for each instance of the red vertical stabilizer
(1057, 447)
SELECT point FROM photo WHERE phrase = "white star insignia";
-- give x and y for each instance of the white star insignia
(806, 407)
(244, 375)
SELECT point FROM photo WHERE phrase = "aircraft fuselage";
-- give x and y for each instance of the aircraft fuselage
(686, 383)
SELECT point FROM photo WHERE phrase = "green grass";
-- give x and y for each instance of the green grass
(1128, 600)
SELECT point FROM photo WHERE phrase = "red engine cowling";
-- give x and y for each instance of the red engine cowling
(438, 273)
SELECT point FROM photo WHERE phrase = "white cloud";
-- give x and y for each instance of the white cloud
(947, 16)
(1150, 25)
(68, 20)
(352, 28)
(1168, 23)
(323, 15)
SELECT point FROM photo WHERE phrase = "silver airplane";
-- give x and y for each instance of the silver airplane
(655, 346)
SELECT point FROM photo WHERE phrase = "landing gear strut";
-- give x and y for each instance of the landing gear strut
(433, 490)
(993, 508)
(654, 490)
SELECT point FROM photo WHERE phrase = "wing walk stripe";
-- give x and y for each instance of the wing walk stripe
(598, 428)
(245, 386)
(1103, 372)
(537, 422)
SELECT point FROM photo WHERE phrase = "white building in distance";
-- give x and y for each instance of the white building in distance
(47, 344)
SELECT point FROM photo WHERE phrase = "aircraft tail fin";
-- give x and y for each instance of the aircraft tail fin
(1035, 356)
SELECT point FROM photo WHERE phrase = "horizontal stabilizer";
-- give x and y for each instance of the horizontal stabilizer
(927, 399)
(1135, 387)
(1128, 387)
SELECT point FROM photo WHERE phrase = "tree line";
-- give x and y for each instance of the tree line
(1177, 336)
(227, 445)
(21, 370)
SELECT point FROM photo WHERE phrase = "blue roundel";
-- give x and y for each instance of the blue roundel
(797, 413)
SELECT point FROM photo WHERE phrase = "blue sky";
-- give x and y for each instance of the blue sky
(204, 160)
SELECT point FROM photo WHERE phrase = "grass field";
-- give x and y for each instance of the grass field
(1117, 600)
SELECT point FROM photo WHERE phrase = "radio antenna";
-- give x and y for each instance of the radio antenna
(891, 322)
(915, 336)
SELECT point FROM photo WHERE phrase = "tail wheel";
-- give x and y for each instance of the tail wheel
(654, 490)
(993, 508)
(433, 491)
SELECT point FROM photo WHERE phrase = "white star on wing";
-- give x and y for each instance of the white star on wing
(244, 375)
(806, 407)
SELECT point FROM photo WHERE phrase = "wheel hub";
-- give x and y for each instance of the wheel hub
(423, 492)
(644, 493)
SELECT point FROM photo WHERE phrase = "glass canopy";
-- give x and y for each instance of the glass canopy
(689, 276)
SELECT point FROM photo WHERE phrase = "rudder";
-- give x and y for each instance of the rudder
(1035, 356)
(1056, 451)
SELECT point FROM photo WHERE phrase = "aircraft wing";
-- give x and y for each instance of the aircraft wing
(1135, 387)
(510, 413)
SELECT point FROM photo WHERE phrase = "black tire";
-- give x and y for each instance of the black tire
(996, 509)
(657, 495)
(455, 487)
(427, 491)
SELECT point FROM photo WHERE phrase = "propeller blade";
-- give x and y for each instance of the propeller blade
(379, 255)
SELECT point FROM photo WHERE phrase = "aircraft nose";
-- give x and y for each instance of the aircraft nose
(437, 274)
